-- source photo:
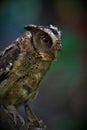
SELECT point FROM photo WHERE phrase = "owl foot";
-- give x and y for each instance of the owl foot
(14, 115)
(17, 117)
(37, 125)
(34, 122)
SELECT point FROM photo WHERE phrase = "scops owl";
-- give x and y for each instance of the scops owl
(24, 63)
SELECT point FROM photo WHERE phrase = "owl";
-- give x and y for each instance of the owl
(23, 65)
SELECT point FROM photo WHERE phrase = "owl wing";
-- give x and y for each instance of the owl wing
(10, 54)
(7, 58)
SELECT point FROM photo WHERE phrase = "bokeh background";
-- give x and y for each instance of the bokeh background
(61, 102)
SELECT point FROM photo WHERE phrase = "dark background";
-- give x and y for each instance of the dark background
(61, 102)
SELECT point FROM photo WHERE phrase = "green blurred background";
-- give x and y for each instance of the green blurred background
(61, 102)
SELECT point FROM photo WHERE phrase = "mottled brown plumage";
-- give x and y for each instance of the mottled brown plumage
(24, 63)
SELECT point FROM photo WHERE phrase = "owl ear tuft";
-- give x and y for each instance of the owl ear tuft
(31, 28)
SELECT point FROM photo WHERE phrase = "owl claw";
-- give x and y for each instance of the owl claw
(39, 126)
(34, 122)
(17, 116)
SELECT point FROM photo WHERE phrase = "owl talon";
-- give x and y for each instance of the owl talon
(33, 127)
(17, 116)
(34, 122)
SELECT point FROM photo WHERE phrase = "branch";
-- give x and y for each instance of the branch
(7, 122)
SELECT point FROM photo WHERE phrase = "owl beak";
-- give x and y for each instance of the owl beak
(58, 47)
(59, 42)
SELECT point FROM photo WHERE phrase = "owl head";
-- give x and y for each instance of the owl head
(46, 40)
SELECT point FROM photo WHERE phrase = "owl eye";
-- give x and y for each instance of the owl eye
(46, 41)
